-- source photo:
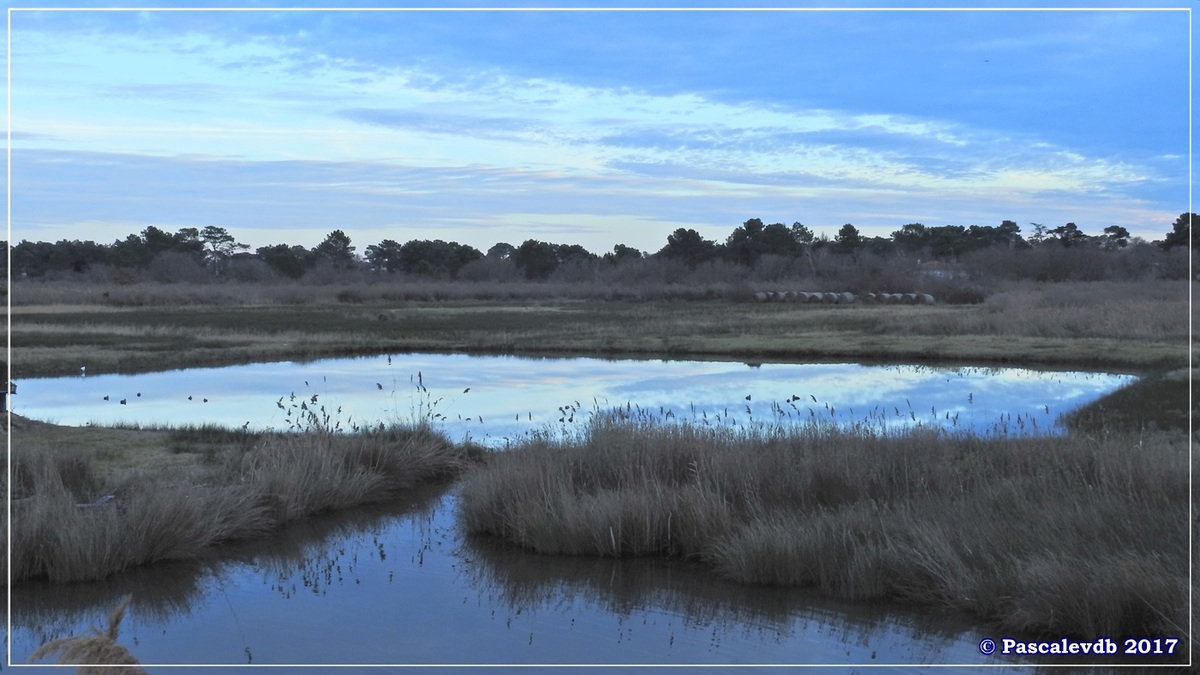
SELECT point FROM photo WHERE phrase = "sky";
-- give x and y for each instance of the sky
(593, 127)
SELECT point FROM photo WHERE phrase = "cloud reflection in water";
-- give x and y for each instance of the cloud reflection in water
(511, 396)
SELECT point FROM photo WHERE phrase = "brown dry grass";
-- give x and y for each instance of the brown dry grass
(374, 291)
(1143, 311)
(1078, 535)
(1126, 324)
(237, 489)
(93, 652)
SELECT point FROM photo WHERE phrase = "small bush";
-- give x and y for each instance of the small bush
(170, 267)
(123, 276)
(352, 296)
(249, 270)
(741, 292)
(962, 295)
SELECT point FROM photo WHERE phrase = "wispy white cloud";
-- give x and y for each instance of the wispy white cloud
(268, 119)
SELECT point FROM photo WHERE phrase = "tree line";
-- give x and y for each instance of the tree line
(192, 253)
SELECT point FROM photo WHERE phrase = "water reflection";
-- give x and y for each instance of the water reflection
(498, 399)
(679, 602)
(401, 585)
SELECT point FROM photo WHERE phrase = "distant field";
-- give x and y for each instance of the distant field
(57, 327)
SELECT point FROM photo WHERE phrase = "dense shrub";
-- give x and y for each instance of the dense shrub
(174, 267)
(249, 270)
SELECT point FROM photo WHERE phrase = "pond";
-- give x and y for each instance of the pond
(497, 400)
(402, 584)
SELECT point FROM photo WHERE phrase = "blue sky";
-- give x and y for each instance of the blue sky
(593, 128)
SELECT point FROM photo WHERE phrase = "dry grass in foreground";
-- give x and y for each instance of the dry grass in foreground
(93, 652)
(61, 531)
(1062, 536)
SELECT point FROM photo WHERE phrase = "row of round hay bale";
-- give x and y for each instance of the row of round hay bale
(829, 298)
(809, 297)
(775, 296)
(833, 298)
(897, 299)
(781, 296)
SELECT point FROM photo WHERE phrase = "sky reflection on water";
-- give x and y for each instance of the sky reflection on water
(511, 396)
(402, 584)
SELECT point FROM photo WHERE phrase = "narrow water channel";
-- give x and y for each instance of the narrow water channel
(402, 585)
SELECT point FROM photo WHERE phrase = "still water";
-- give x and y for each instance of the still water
(498, 399)
(402, 584)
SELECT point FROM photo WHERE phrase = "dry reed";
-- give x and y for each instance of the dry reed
(248, 489)
(1000, 527)
(93, 652)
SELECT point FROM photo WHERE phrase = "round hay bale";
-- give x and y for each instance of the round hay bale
(846, 298)
(830, 298)
(762, 296)
(869, 299)
(926, 299)
(779, 296)
(910, 299)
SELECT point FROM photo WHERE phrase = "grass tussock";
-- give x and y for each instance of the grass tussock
(92, 652)
(63, 533)
(1081, 536)
(302, 474)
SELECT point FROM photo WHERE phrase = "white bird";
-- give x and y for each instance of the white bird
(83, 371)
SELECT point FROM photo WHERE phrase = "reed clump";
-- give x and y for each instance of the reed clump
(69, 524)
(297, 475)
(1061, 535)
